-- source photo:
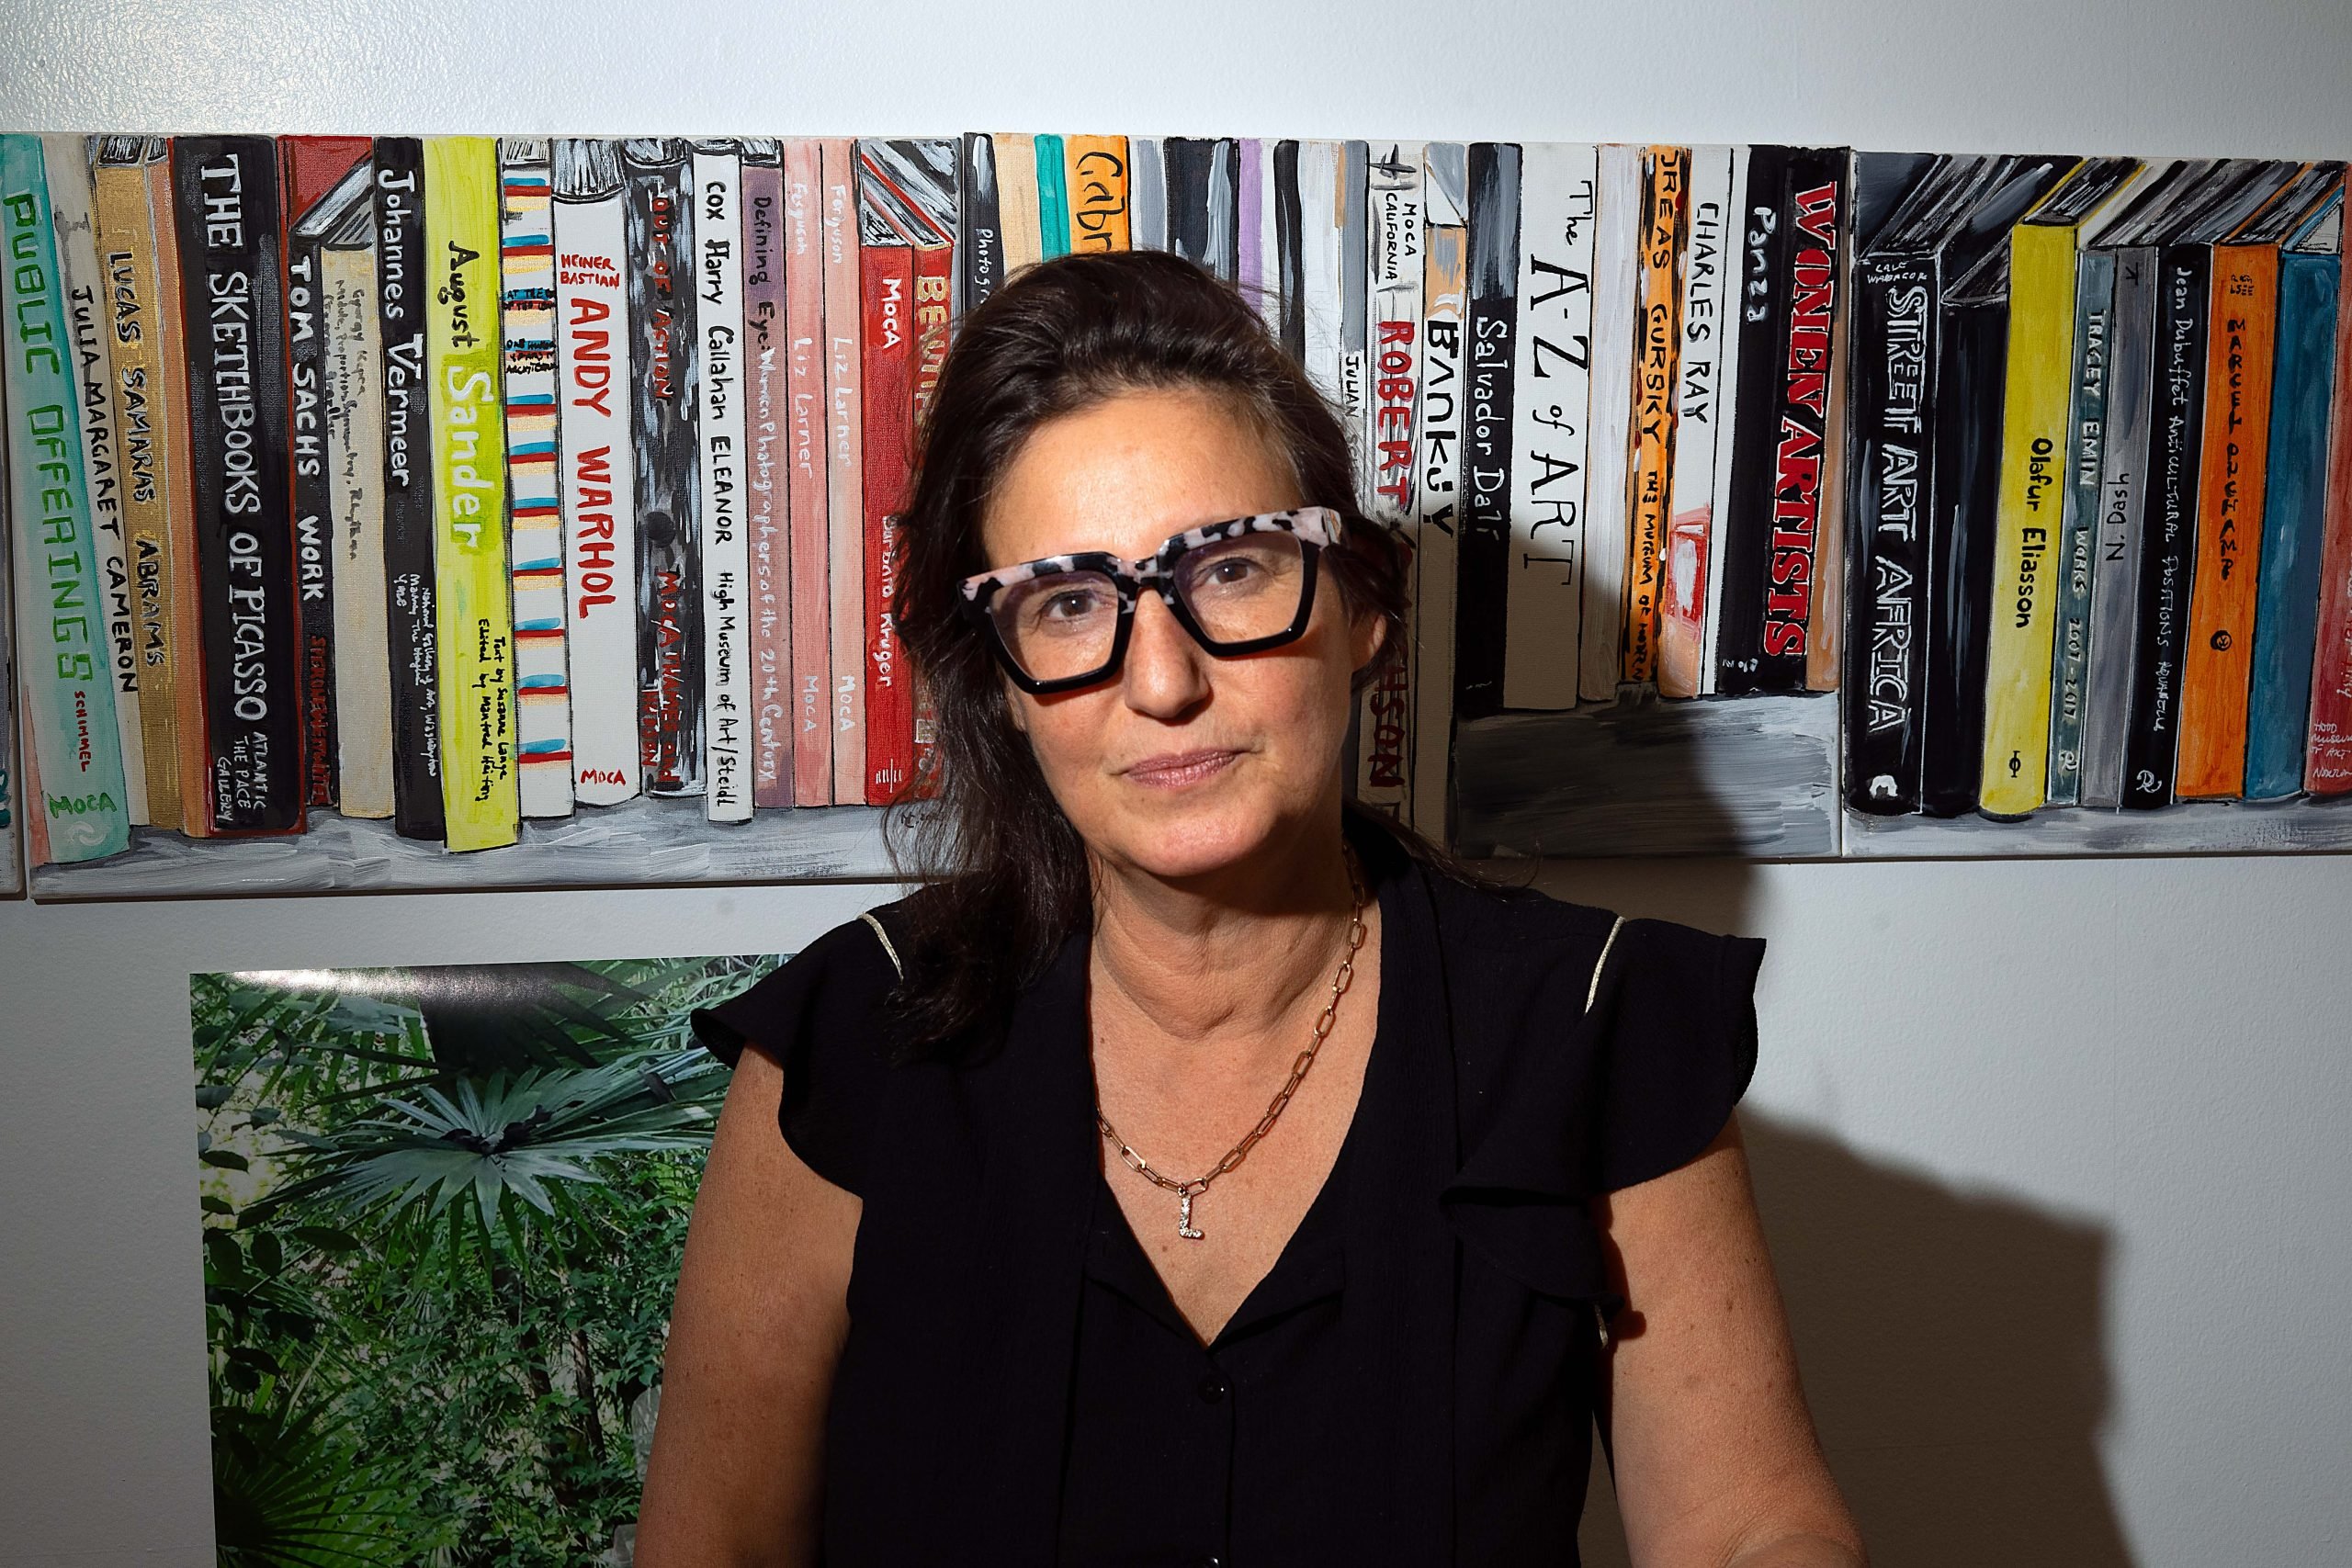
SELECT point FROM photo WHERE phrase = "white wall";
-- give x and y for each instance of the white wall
(2051, 1154)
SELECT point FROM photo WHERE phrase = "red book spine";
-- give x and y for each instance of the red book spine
(935, 289)
(804, 318)
(886, 292)
(2327, 765)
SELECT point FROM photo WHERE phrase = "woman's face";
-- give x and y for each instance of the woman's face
(1180, 763)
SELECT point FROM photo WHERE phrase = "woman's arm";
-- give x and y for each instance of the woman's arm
(761, 1315)
(1713, 1452)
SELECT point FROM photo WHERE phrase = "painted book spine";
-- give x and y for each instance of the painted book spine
(1321, 195)
(2285, 622)
(1384, 754)
(1204, 198)
(1195, 237)
(1697, 404)
(1731, 337)
(126, 244)
(73, 763)
(1961, 529)
(665, 370)
(355, 429)
(767, 434)
(596, 446)
(170, 323)
(1895, 306)
(2168, 536)
(597, 449)
(1147, 194)
(1484, 540)
(1016, 173)
(804, 310)
(1053, 198)
(845, 474)
(526, 314)
(401, 263)
(479, 783)
(980, 224)
(320, 177)
(1094, 182)
(1274, 299)
(1814, 216)
(1545, 588)
(715, 192)
(933, 313)
(68, 159)
(1747, 527)
(1437, 491)
(2217, 668)
(228, 220)
(1285, 216)
(1596, 639)
(2029, 513)
(2327, 761)
(1249, 212)
(2086, 456)
(885, 268)
(1657, 336)
(2123, 496)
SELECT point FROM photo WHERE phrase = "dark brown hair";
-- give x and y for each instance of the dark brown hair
(1009, 877)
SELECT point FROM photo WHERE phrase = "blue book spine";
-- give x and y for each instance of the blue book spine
(2286, 606)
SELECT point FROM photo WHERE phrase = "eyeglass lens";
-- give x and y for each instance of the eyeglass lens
(1064, 626)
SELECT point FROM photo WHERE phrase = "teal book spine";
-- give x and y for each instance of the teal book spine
(78, 789)
(2287, 604)
(1053, 199)
(2086, 452)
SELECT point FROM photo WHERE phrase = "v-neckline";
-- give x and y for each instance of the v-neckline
(1310, 1261)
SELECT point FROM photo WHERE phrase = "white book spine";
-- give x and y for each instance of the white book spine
(1269, 300)
(527, 279)
(1707, 267)
(354, 425)
(1355, 314)
(1616, 298)
(1550, 398)
(1437, 487)
(1727, 411)
(92, 370)
(598, 492)
(1319, 230)
(716, 192)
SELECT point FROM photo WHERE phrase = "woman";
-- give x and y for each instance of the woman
(1200, 1170)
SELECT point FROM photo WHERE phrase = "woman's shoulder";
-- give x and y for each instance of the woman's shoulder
(1523, 923)
(833, 987)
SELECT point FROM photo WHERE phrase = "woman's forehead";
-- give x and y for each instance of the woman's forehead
(1125, 474)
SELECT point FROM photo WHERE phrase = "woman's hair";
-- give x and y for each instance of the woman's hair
(1009, 876)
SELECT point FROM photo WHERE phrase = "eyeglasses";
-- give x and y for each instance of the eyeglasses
(1237, 586)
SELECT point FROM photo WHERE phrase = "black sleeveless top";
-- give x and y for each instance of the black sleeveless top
(1411, 1383)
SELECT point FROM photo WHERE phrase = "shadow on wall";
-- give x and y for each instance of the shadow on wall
(1952, 1348)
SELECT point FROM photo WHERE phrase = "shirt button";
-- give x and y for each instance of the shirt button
(1212, 1389)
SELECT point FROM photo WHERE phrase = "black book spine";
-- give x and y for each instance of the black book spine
(980, 233)
(313, 557)
(225, 202)
(1290, 262)
(1814, 222)
(658, 229)
(408, 490)
(1963, 531)
(1203, 195)
(1889, 460)
(1483, 565)
(1763, 300)
(2168, 527)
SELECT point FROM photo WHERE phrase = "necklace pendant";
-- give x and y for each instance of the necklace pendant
(1184, 1218)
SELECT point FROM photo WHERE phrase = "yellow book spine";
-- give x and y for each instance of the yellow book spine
(1096, 171)
(475, 626)
(1658, 333)
(2033, 474)
(126, 236)
(1016, 187)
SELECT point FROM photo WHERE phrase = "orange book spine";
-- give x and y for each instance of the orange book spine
(2220, 659)
(1657, 332)
(1095, 175)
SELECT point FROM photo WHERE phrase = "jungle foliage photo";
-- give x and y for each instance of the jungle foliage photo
(442, 1213)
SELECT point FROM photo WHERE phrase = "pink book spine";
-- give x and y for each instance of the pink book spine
(767, 433)
(807, 461)
(2327, 764)
(844, 454)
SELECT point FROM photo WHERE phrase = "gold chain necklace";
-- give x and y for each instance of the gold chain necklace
(1187, 1190)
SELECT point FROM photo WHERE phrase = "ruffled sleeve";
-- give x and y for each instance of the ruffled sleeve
(1674, 1031)
(816, 1017)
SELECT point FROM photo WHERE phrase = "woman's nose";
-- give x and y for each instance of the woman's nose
(1166, 671)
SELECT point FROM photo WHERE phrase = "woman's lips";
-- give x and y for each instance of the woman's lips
(1174, 770)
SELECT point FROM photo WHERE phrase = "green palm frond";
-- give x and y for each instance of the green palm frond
(288, 1491)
